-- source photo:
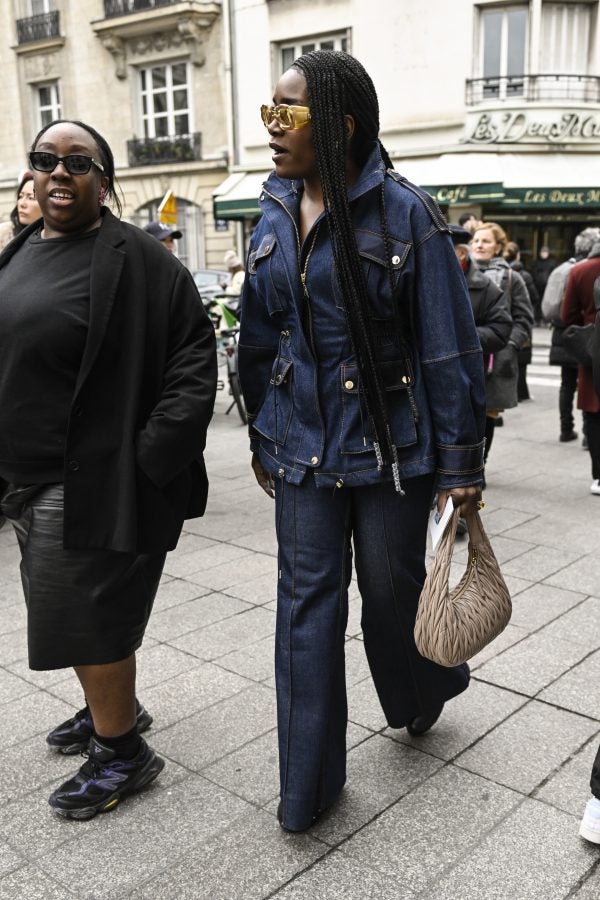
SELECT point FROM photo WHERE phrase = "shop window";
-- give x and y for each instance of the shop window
(288, 52)
(47, 104)
(164, 94)
(503, 42)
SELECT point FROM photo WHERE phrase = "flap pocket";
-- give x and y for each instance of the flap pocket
(264, 249)
(396, 375)
(371, 245)
(281, 371)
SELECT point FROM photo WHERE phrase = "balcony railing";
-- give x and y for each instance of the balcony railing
(531, 88)
(124, 7)
(173, 149)
(38, 28)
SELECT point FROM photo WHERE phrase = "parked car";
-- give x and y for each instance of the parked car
(210, 281)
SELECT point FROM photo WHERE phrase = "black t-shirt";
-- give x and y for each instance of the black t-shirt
(44, 315)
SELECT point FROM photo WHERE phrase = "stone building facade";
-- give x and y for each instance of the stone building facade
(149, 76)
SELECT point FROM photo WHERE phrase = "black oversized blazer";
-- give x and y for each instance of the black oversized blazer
(143, 400)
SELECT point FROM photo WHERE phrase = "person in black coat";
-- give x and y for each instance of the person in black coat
(490, 311)
(512, 255)
(107, 349)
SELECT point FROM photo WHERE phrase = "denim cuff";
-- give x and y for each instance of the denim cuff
(461, 460)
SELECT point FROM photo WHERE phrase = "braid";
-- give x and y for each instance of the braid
(337, 85)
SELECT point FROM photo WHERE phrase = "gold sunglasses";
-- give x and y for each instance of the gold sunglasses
(288, 117)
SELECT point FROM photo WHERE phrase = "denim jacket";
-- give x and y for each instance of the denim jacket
(299, 374)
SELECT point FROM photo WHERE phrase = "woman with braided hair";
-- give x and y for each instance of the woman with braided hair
(363, 378)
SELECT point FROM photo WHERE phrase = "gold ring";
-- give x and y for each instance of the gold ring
(480, 504)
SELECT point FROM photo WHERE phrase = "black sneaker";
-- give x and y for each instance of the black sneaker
(103, 780)
(73, 736)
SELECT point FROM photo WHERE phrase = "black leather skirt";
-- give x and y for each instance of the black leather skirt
(84, 607)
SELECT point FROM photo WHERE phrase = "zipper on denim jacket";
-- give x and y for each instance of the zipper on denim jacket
(307, 319)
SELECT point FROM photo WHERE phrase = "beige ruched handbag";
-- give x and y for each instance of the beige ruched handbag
(452, 626)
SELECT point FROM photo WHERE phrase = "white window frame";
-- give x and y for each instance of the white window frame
(54, 107)
(503, 73)
(148, 120)
(299, 46)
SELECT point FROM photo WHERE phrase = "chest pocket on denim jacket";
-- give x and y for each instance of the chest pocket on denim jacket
(356, 434)
(273, 420)
(268, 275)
(371, 248)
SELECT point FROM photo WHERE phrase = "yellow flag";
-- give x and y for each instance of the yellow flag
(167, 211)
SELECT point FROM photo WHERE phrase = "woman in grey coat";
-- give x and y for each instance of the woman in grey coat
(488, 244)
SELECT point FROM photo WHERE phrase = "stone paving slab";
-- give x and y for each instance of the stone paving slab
(414, 841)
(338, 876)
(568, 787)
(545, 853)
(210, 734)
(533, 663)
(536, 606)
(578, 689)
(524, 749)
(264, 860)
(467, 719)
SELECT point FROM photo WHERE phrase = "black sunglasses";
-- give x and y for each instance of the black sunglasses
(74, 163)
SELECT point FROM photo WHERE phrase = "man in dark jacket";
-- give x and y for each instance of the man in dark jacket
(559, 355)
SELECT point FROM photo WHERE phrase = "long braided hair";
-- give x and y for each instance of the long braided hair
(338, 85)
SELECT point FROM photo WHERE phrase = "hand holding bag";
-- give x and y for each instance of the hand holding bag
(452, 626)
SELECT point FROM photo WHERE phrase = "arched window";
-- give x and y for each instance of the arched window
(190, 248)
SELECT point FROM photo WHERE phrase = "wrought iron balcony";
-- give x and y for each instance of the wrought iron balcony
(38, 28)
(124, 7)
(549, 88)
(173, 149)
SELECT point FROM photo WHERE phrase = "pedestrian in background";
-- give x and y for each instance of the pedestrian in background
(577, 308)
(26, 211)
(163, 233)
(107, 388)
(363, 378)
(236, 273)
(469, 221)
(559, 355)
(487, 247)
(492, 317)
(512, 255)
(540, 271)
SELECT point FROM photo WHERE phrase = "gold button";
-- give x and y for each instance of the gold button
(349, 384)
(405, 379)
(314, 460)
(395, 260)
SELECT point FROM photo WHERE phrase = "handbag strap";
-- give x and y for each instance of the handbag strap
(477, 535)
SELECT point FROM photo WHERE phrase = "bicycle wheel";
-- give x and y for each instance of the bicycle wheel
(236, 391)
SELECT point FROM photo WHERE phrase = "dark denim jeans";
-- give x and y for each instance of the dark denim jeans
(316, 527)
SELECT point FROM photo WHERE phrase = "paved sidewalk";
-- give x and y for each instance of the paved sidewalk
(485, 807)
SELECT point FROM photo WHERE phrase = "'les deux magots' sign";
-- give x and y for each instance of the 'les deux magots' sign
(541, 126)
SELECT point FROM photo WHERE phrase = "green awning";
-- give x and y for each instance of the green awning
(237, 197)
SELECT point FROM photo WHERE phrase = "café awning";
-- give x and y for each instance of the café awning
(237, 197)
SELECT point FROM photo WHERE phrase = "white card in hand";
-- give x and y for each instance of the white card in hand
(437, 523)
